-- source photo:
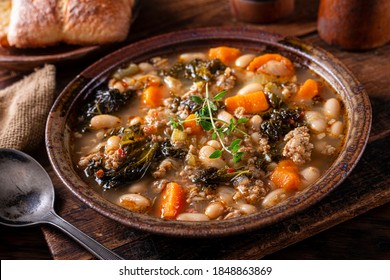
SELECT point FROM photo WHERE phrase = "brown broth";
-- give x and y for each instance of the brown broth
(233, 204)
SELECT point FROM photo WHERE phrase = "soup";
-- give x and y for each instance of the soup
(204, 135)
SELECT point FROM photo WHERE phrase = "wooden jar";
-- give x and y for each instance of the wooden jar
(261, 11)
(354, 24)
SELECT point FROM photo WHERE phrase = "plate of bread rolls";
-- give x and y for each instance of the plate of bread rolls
(33, 33)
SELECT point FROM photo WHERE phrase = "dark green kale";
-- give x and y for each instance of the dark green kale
(191, 105)
(167, 150)
(278, 122)
(197, 70)
(135, 167)
(263, 159)
(212, 177)
(274, 100)
(137, 154)
(106, 101)
(204, 70)
(176, 101)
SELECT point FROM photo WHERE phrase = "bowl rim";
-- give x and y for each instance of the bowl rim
(316, 59)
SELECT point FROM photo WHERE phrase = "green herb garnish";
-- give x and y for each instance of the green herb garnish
(205, 118)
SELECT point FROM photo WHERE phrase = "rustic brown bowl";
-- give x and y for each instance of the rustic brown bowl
(319, 61)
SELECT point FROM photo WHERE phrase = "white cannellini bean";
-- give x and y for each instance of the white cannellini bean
(250, 88)
(316, 121)
(119, 86)
(215, 144)
(145, 67)
(104, 121)
(225, 116)
(204, 156)
(247, 208)
(192, 217)
(312, 115)
(113, 143)
(111, 83)
(276, 68)
(173, 84)
(318, 125)
(320, 145)
(274, 197)
(100, 135)
(332, 108)
(135, 120)
(336, 129)
(187, 57)
(226, 195)
(214, 210)
(310, 174)
(255, 122)
(139, 187)
(256, 136)
(244, 60)
(134, 202)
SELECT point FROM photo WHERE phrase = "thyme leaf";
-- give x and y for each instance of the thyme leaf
(205, 118)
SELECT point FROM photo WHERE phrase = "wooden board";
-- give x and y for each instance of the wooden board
(367, 187)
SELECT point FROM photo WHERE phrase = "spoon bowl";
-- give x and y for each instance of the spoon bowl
(27, 198)
(26, 191)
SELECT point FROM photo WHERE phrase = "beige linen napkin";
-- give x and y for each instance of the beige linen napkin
(24, 107)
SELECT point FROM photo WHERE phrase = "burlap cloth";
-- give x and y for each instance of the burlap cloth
(24, 107)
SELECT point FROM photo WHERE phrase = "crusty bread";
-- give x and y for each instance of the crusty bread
(96, 21)
(5, 14)
(34, 23)
(41, 23)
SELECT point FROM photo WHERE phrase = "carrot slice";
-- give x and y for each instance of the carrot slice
(253, 103)
(153, 95)
(286, 176)
(190, 122)
(225, 54)
(307, 91)
(289, 165)
(173, 201)
(257, 63)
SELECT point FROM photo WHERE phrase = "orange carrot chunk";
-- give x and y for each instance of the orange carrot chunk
(307, 91)
(225, 54)
(253, 103)
(258, 62)
(190, 122)
(173, 201)
(286, 176)
(153, 95)
(288, 164)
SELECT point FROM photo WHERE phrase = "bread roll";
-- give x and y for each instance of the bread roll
(5, 14)
(42, 23)
(96, 21)
(34, 23)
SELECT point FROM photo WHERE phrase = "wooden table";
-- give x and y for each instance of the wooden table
(351, 223)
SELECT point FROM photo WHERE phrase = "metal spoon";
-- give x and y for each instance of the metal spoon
(27, 198)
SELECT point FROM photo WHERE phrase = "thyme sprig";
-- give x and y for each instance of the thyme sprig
(204, 118)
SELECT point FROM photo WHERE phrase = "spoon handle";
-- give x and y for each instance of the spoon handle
(87, 242)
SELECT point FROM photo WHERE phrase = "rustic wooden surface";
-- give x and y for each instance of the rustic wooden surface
(344, 225)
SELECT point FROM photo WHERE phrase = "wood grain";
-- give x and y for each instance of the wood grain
(321, 226)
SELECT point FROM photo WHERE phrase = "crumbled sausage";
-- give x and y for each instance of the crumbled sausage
(298, 146)
(166, 165)
(226, 80)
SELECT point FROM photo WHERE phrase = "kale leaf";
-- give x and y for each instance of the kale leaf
(197, 70)
(278, 122)
(106, 101)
